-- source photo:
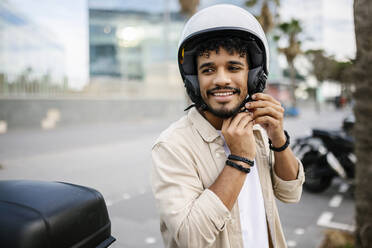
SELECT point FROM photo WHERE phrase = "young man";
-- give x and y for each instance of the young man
(215, 173)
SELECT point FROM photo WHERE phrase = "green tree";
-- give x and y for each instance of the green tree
(289, 31)
(320, 63)
(328, 68)
(341, 72)
(363, 127)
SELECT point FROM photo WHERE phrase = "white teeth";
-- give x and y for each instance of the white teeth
(223, 94)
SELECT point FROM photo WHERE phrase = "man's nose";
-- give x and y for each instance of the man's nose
(222, 78)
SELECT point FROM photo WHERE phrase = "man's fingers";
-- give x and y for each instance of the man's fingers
(237, 118)
(270, 111)
(264, 104)
(237, 124)
(266, 121)
(264, 97)
(245, 121)
(249, 124)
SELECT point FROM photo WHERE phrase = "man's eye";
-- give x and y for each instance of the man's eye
(234, 68)
(207, 70)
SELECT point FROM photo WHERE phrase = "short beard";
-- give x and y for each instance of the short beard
(224, 113)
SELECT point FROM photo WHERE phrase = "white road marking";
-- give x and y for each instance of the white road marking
(291, 243)
(50, 121)
(325, 218)
(111, 202)
(335, 202)
(150, 240)
(126, 196)
(3, 127)
(299, 231)
(325, 221)
(142, 191)
(343, 187)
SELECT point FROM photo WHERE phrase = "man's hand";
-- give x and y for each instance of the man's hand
(238, 134)
(269, 113)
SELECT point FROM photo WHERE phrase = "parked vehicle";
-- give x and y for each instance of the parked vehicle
(326, 155)
(37, 214)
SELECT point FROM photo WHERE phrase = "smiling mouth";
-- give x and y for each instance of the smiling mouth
(223, 93)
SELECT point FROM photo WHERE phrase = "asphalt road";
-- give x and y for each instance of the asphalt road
(115, 159)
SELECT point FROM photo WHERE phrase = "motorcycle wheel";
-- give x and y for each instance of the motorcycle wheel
(313, 183)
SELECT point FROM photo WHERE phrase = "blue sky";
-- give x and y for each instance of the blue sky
(336, 19)
(67, 20)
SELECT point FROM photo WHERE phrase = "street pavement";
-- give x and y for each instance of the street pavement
(115, 159)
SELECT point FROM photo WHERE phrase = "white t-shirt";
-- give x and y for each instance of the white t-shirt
(252, 210)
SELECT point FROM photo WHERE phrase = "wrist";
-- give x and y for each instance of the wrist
(279, 148)
(245, 165)
(278, 140)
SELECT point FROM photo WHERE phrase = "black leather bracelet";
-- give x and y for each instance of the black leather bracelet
(241, 159)
(283, 147)
(237, 166)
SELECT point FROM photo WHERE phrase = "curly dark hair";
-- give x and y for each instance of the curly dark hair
(231, 44)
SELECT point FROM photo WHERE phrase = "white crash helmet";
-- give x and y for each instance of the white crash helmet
(219, 21)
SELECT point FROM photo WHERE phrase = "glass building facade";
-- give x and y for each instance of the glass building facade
(133, 47)
(125, 43)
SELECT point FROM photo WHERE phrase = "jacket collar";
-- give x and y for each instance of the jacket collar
(202, 125)
(205, 129)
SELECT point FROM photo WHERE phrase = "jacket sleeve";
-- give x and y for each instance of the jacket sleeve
(193, 215)
(285, 191)
(288, 191)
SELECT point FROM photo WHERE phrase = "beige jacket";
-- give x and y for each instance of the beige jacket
(187, 158)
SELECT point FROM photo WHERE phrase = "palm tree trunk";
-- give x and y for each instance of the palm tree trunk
(292, 73)
(316, 100)
(363, 127)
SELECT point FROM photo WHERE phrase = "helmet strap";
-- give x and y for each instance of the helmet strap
(202, 106)
(190, 106)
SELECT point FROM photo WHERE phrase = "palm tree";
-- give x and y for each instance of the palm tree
(290, 31)
(189, 7)
(266, 17)
(363, 126)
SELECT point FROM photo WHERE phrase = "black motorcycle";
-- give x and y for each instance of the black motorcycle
(327, 154)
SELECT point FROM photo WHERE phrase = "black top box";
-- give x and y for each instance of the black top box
(37, 214)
